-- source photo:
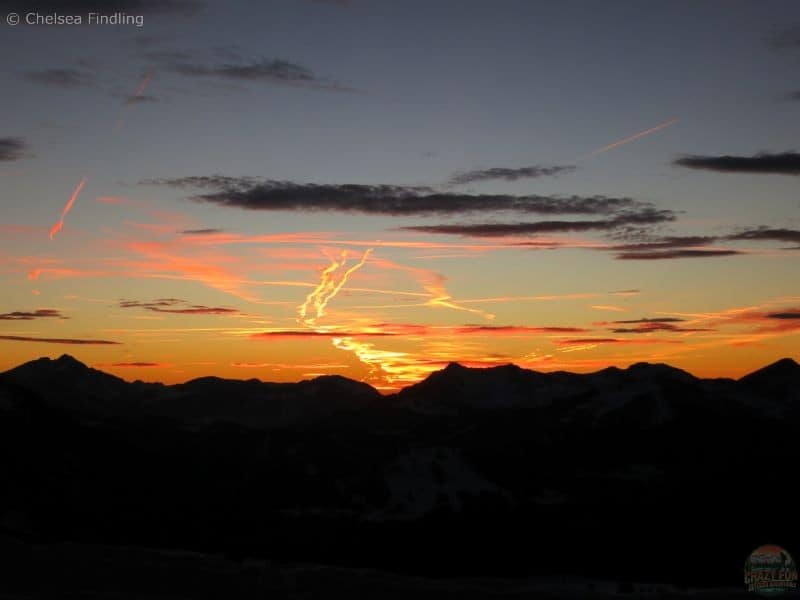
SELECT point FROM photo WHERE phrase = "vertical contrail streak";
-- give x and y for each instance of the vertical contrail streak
(631, 138)
(60, 224)
(330, 284)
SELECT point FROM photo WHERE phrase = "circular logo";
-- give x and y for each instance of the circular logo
(770, 571)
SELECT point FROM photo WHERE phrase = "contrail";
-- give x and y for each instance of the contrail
(328, 287)
(388, 369)
(138, 93)
(142, 86)
(441, 298)
(385, 367)
(120, 122)
(58, 226)
(631, 138)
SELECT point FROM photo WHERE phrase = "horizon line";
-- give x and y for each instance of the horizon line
(384, 391)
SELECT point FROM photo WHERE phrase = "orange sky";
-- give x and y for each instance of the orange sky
(234, 194)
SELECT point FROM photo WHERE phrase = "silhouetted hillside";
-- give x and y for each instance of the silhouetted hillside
(617, 475)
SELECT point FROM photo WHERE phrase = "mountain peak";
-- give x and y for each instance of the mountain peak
(784, 364)
(65, 368)
(66, 360)
(658, 370)
(785, 367)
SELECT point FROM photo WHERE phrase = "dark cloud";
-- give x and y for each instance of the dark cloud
(678, 253)
(252, 193)
(768, 234)
(18, 338)
(649, 325)
(650, 320)
(655, 326)
(791, 314)
(511, 174)
(42, 313)
(582, 341)
(178, 307)
(307, 333)
(401, 329)
(67, 78)
(11, 149)
(229, 64)
(588, 341)
(134, 365)
(786, 163)
(644, 216)
(83, 7)
(794, 95)
(470, 329)
(664, 243)
(274, 70)
(687, 246)
(208, 231)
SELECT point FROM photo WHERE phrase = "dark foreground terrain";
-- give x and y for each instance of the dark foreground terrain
(91, 571)
(495, 482)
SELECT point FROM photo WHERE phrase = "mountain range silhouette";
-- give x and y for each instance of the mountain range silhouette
(622, 474)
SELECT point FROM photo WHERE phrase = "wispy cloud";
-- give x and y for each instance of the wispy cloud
(646, 216)
(311, 333)
(510, 174)
(229, 64)
(770, 318)
(410, 329)
(42, 313)
(178, 307)
(673, 254)
(289, 367)
(650, 320)
(651, 324)
(603, 341)
(12, 148)
(768, 234)
(515, 329)
(133, 365)
(17, 338)
(664, 243)
(207, 231)
(66, 78)
(669, 247)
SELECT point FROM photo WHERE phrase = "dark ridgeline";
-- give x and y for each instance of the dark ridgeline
(642, 474)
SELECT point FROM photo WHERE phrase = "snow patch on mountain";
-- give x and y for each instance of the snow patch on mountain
(425, 479)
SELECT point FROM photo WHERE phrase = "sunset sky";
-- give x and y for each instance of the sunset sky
(371, 188)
